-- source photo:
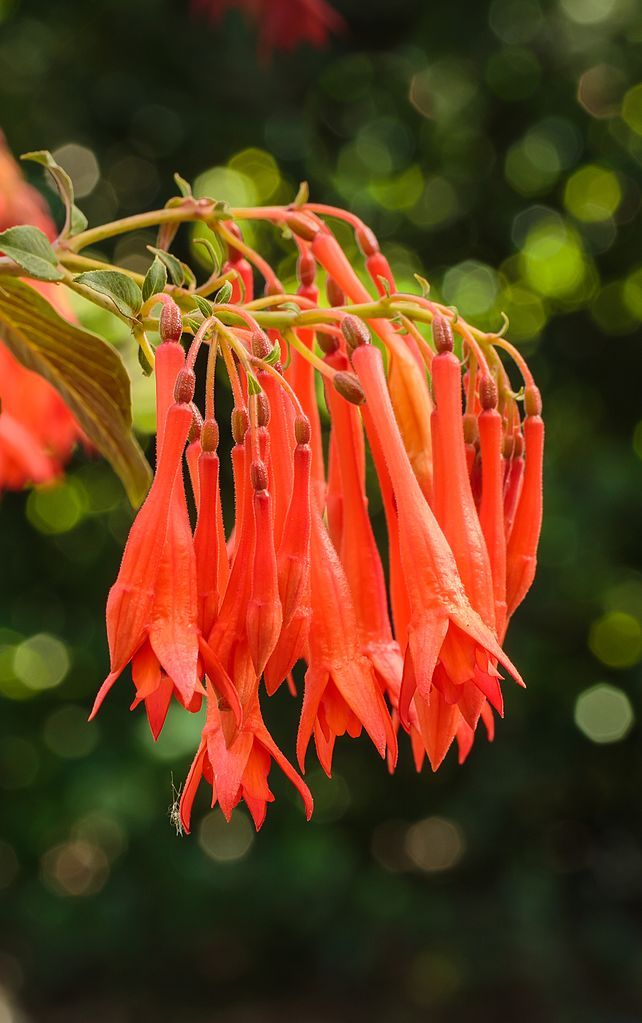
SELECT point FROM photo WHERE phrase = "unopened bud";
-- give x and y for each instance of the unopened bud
(184, 387)
(209, 435)
(442, 334)
(328, 343)
(469, 424)
(508, 446)
(302, 226)
(261, 344)
(262, 408)
(532, 401)
(240, 424)
(348, 387)
(334, 292)
(302, 431)
(355, 332)
(487, 393)
(170, 324)
(195, 428)
(258, 475)
(366, 240)
(306, 269)
(518, 445)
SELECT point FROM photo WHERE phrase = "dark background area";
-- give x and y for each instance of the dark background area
(496, 149)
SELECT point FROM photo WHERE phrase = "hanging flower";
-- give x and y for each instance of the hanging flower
(219, 612)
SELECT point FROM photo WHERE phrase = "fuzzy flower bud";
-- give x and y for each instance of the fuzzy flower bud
(302, 226)
(334, 292)
(442, 334)
(355, 332)
(306, 269)
(366, 240)
(185, 386)
(487, 393)
(532, 401)
(349, 388)
(209, 435)
(302, 431)
(240, 424)
(328, 343)
(258, 475)
(170, 325)
(262, 408)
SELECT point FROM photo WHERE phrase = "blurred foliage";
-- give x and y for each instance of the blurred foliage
(497, 150)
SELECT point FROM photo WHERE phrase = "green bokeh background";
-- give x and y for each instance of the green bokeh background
(496, 149)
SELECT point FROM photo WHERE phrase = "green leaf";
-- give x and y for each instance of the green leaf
(143, 363)
(188, 276)
(253, 386)
(302, 195)
(121, 289)
(31, 249)
(155, 279)
(224, 294)
(86, 371)
(205, 307)
(211, 249)
(423, 284)
(184, 186)
(274, 356)
(173, 265)
(75, 219)
(193, 324)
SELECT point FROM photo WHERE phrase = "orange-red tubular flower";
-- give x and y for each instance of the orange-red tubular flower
(131, 598)
(264, 613)
(300, 374)
(207, 540)
(341, 694)
(359, 553)
(521, 555)
(236, 763)
(408, 387)
(439, 608)
(293, 565)
(491, 507)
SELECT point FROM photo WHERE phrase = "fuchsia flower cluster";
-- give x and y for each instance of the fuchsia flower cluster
(220, 613)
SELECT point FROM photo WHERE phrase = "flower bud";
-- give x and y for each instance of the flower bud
(302, 431)
(170, 325)
(240, 424)
(262, 408)
(258, 475)
(442, 334)
(328, 343)
(261, 344)
(302, 226)
(185, 386)
(196, 427)
(487, 393)
(334, 292)
(209, 435)
(532, 401)
(349, 388)
(469, 424)
(306, 269)
(355, 332)
(366, 240)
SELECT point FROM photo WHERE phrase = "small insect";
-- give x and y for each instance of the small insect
(174, 811)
